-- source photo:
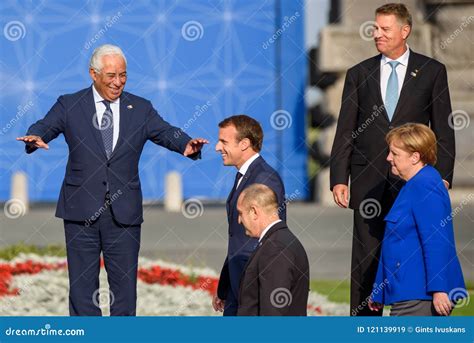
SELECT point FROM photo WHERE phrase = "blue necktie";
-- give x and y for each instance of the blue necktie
(391, 96)
(107, 128)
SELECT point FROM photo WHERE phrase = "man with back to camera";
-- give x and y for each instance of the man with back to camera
(276, 278)
(240, 141)
(390, 89)
(100, 201)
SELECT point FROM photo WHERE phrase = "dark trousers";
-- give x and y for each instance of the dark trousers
(366, 244)
(120, 246)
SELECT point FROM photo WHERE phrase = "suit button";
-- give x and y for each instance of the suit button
(104, 183)
(230, 235)
(108, 164)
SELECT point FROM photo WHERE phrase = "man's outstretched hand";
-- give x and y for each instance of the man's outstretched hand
(34, 141)
(194, 145)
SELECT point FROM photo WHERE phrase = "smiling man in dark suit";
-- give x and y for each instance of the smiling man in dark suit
(393, 88)
(276, 278)
(240, 141)
(101, 198)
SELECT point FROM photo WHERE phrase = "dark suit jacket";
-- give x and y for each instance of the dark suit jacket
(276, 278)
(360, 151)
(88, 171)
(241, 246)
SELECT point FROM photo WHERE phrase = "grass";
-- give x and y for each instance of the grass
(14, 250)
(338, 291)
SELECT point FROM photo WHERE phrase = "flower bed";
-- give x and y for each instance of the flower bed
(38, 285)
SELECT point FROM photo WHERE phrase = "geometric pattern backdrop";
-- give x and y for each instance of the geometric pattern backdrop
(197, 61)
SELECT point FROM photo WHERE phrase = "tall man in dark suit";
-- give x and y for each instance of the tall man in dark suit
(276, 278)
(240, 140)
(390, 89)
(101, 199)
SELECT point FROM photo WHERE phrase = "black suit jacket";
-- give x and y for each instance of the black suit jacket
(359, 150)
(276, 277)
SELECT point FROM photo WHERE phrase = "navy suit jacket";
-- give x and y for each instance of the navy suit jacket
(88, 171)
(240, 245)
(418, 251)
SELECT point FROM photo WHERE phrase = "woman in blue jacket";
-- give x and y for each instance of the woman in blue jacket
(419, 272)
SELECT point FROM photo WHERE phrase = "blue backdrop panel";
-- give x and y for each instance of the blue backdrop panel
(197, 61)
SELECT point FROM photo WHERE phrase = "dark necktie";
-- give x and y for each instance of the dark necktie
(107, 129)
(238, 176)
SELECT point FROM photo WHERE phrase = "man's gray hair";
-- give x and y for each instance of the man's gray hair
(104, 50)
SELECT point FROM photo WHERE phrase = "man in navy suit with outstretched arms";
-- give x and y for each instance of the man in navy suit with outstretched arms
(240, 141)
(105, 129)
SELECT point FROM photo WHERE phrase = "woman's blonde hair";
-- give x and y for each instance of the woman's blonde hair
(415, 138)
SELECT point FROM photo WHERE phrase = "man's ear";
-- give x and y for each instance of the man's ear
(244, 144)
(93, 74)
(253, 212)
(406, 29)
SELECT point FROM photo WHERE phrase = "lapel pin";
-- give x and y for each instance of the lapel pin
(413, 73)
(129, 107)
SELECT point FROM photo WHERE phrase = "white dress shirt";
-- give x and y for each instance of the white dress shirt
(100, 109)
(246, 166)
(386, 70)
(267, 228)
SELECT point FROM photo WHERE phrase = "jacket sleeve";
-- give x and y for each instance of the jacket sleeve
(443, 126)
(343, 141)
(430, 212)
(50, 126)
(160, 132)
(275, 279)
(224, 281)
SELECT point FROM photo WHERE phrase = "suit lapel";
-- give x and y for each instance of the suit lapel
(88, 106)
(408, 83)
(374, 83)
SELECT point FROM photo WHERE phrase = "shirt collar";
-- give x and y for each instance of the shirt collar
(403, 59)
(98, 98)
(268, 228)
(247, 164)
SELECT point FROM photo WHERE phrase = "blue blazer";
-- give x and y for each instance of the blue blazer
(240, 245)
(88, 172)
(418, 254)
